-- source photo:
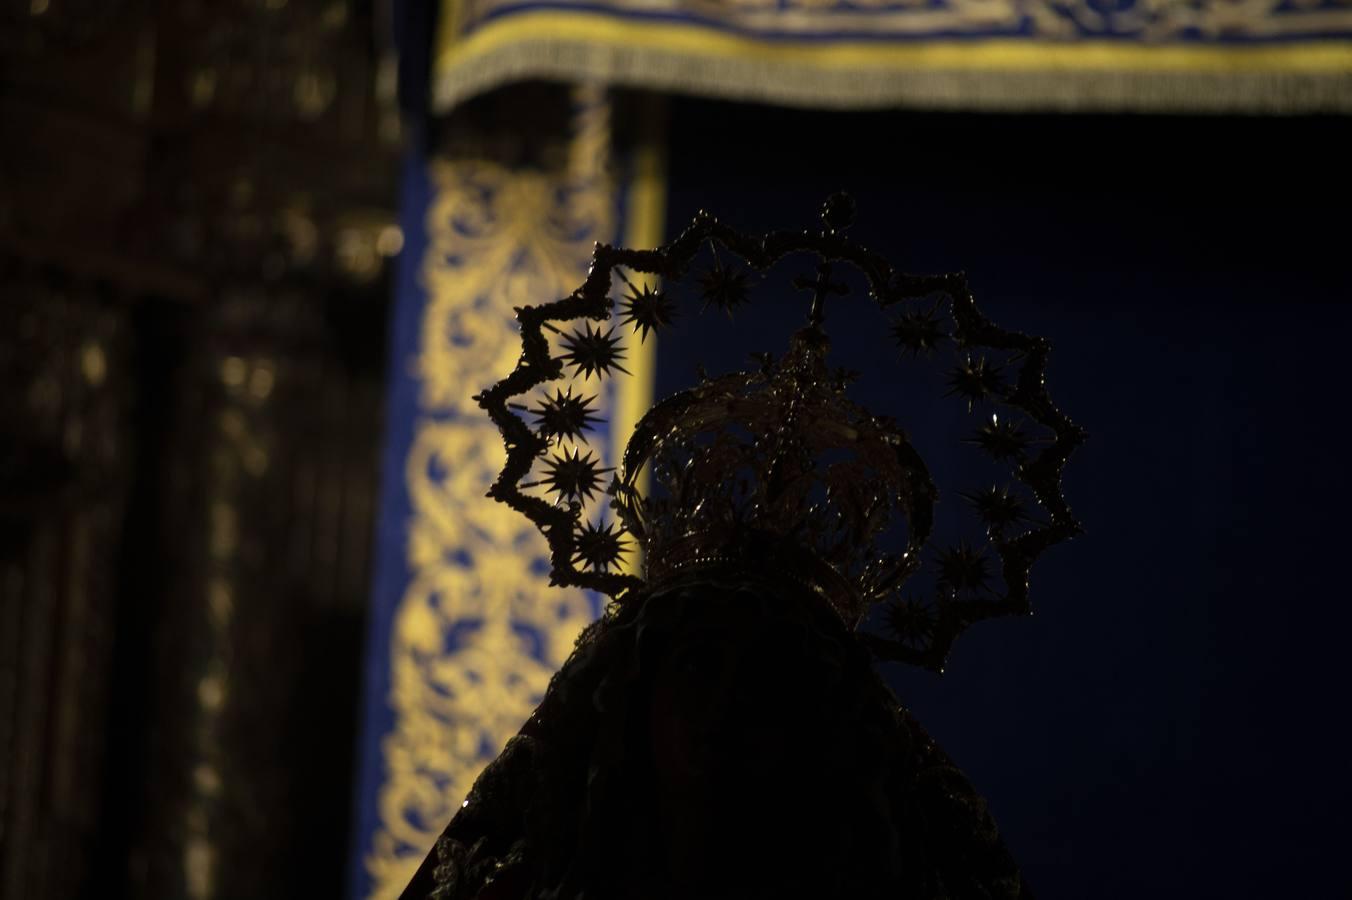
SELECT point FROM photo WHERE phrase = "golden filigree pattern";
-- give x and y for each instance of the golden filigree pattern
(478, 631)
(501, 238)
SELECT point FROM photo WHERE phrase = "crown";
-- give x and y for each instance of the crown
(774, 472)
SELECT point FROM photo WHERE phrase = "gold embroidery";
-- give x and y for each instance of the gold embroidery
(478, 631)
(498, 239)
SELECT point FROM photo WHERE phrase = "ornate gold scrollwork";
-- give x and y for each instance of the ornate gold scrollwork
(478, 631)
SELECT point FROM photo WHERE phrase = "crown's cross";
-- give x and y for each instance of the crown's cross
(820, 286)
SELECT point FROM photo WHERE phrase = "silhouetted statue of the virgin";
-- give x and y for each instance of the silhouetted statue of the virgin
(721, 732)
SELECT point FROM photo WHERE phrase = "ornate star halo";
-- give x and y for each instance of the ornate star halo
(775, 471)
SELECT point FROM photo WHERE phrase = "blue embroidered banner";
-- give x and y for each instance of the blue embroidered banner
(465, 632)
(1239, 55)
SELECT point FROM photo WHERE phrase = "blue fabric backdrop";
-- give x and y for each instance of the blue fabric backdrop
(1170, 721)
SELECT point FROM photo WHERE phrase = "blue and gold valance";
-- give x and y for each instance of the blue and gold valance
(1160, 55)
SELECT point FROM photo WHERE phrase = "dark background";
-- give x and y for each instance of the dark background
(1169, 723)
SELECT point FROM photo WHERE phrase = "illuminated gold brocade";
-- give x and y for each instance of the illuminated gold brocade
(478, 631)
